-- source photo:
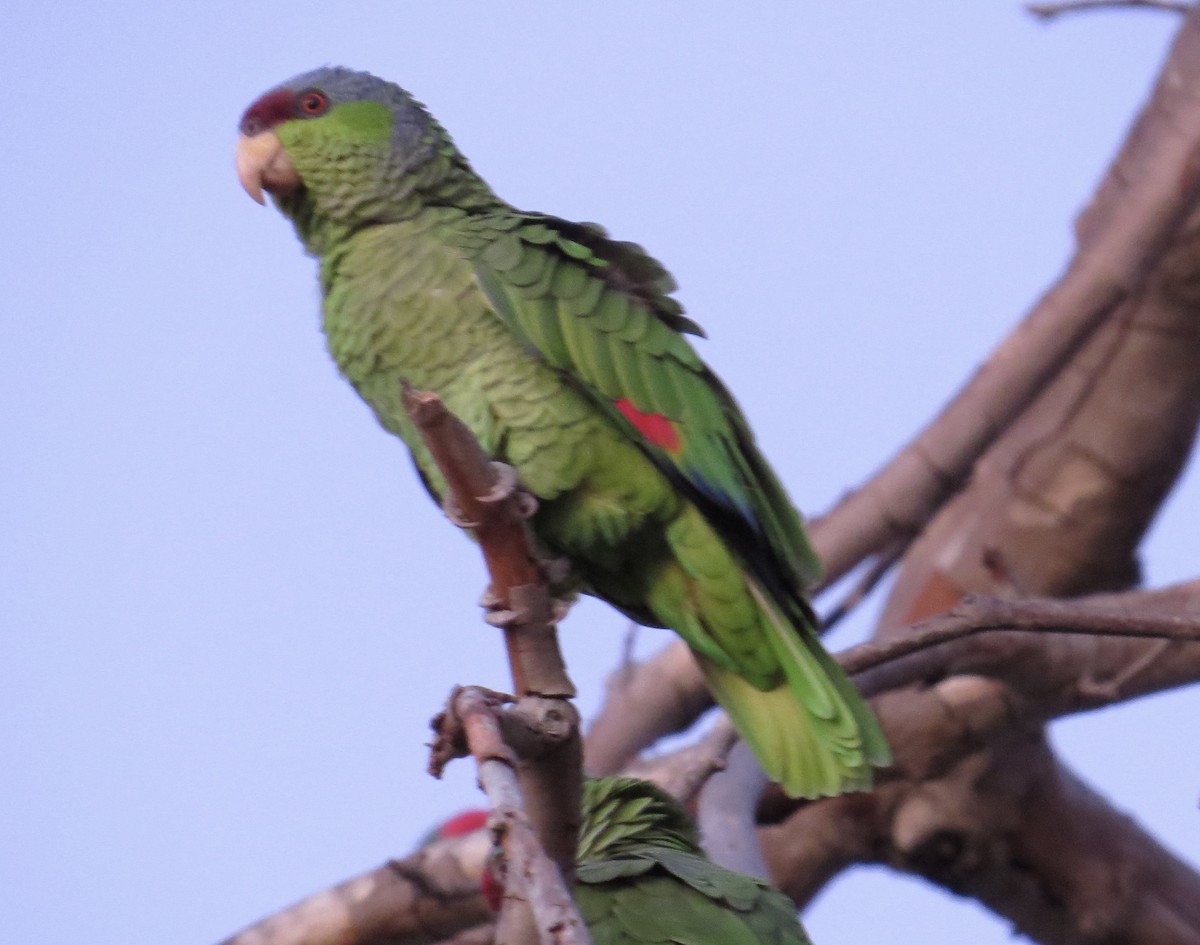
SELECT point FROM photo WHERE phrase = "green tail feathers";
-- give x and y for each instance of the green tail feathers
(813, 733)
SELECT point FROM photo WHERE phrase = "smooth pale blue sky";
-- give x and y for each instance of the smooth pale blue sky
(226, 607)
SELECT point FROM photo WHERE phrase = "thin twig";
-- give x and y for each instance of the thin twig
(682, 773)
(661, 695)
(628, 661)
(978, 614)
(1049, 11)
(876, 572)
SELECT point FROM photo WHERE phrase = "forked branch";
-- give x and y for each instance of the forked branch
(541, 742)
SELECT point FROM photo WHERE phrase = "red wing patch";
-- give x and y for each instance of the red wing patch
(653, 426)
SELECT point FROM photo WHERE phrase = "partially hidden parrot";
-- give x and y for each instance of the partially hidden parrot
(461, 824)
(642, 879)
(564, 353)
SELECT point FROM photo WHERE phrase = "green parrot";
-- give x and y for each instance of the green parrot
(642, 878)
(565, 354)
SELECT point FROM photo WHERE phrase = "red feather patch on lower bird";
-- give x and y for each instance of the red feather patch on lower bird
(653, 426)
(463, 823)
(492, 888)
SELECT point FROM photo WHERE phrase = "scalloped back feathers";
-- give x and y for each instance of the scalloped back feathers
(642, 879)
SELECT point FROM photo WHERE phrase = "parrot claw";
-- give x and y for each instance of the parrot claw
(561, 607)
(507, 484)
(453, 511)
(527, 505)
(502, 619)
(556, 571)
(496, 614)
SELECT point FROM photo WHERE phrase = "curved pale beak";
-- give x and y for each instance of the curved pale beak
(263, 164)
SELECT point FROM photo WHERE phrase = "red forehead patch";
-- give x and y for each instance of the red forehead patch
(272, 109)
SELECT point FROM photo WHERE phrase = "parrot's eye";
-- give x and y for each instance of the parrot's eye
(313, 103)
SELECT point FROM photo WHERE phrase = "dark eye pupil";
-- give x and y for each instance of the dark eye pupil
(312, 103)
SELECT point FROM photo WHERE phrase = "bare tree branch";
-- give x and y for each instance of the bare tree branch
(544, 726)
(488, 495)
(1111, 262)
(979, 614)
(1015, 830)
(1057, 507)
(496, 511)
(644, 702)
(683, 773)
(530, 877)
(726, 813)
(416, 901)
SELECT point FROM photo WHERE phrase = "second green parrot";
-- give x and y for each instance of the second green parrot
(565, 354)
(642, 878)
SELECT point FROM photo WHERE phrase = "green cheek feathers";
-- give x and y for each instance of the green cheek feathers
(368, 122)
(341, 159)
(350, 122)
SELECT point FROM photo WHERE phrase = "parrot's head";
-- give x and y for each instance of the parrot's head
(624, 814)
(344, 147)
